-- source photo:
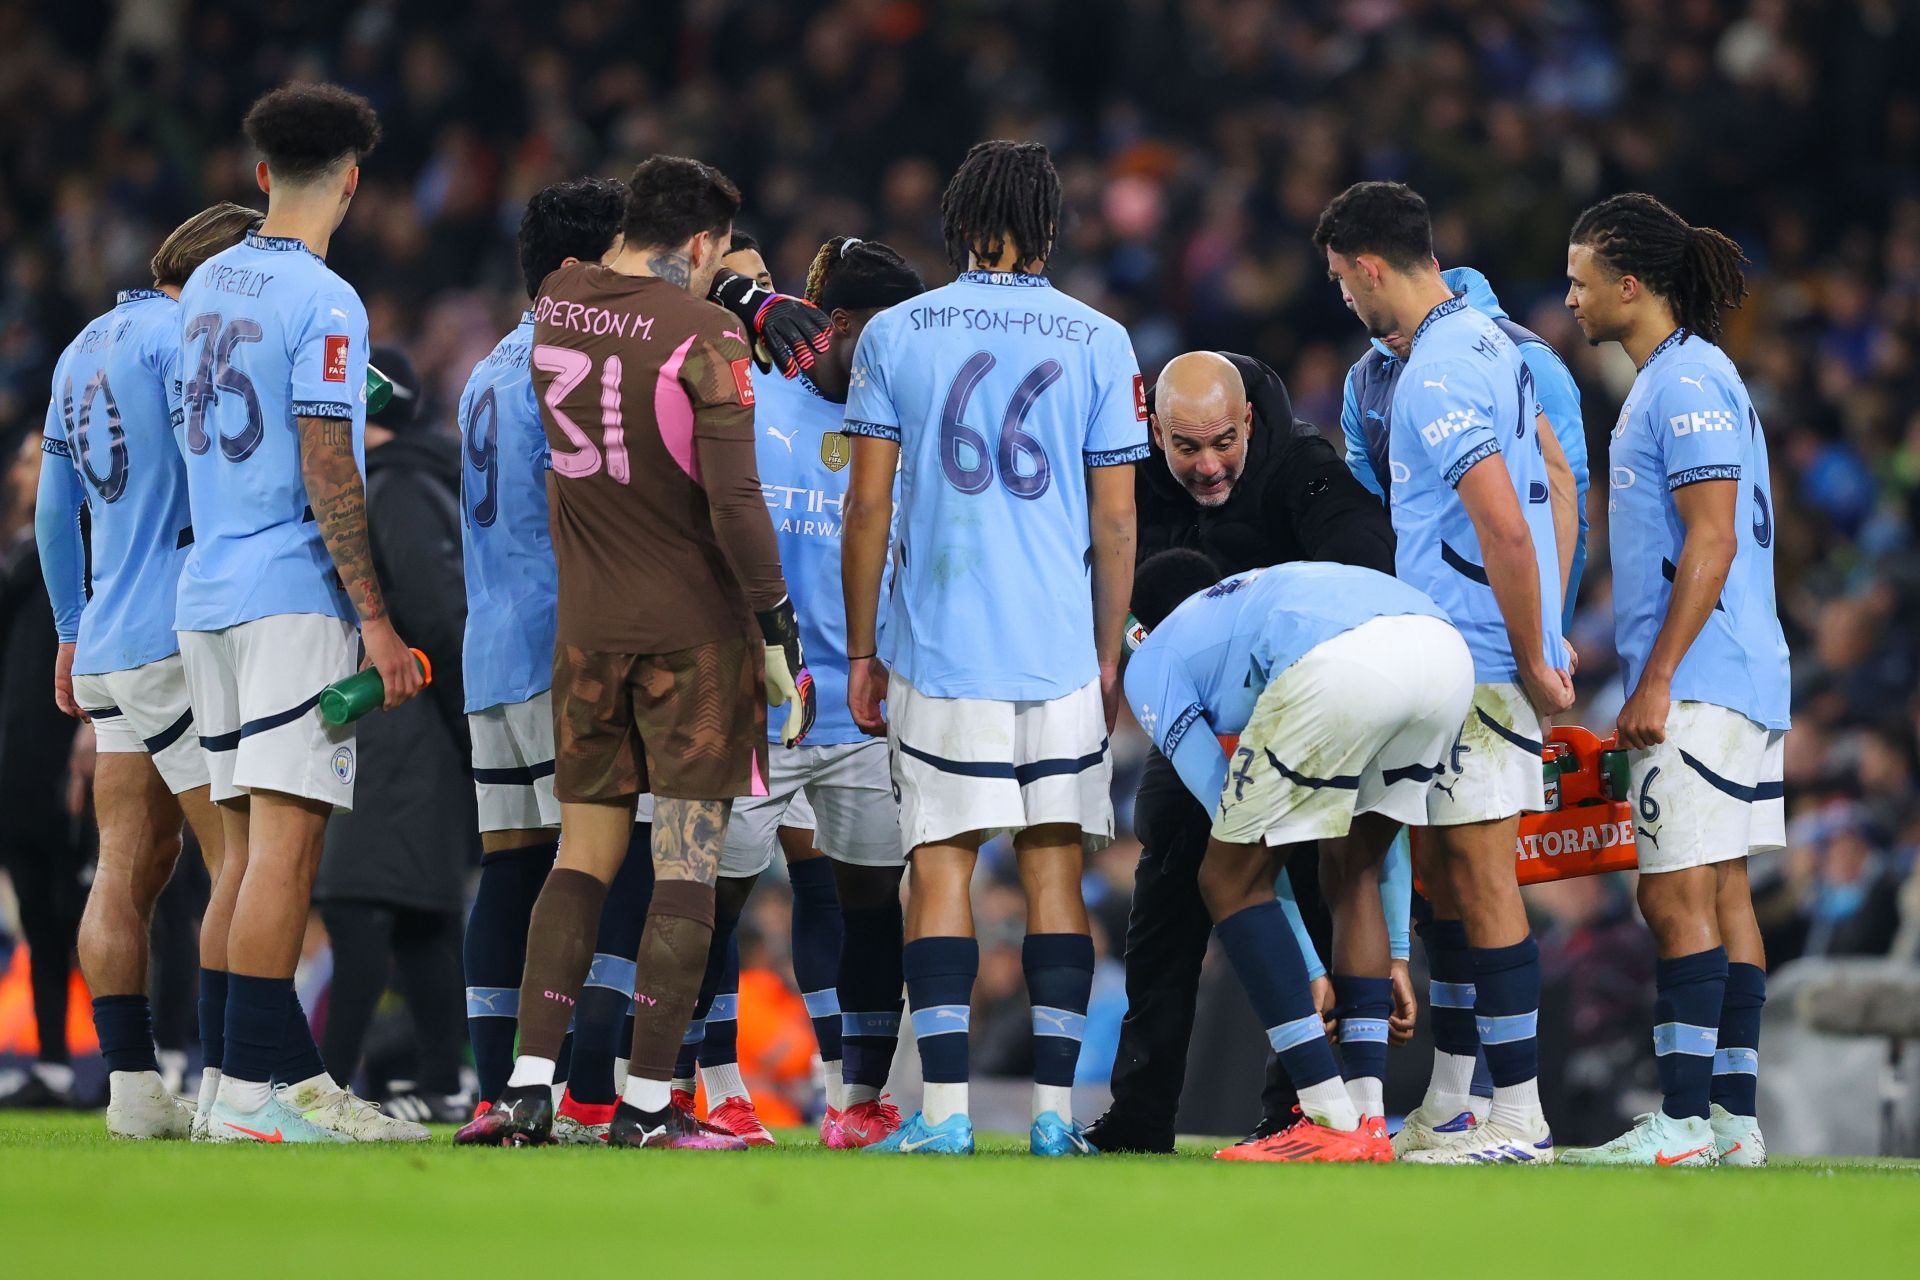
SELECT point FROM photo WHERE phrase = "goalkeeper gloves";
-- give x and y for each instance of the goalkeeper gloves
(789, 332)
(789, 683)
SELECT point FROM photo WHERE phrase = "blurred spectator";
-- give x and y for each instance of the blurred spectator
(1841, 888)
(42, 845)
(392, 882)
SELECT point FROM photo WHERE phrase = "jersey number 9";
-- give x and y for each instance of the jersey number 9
(483, 450)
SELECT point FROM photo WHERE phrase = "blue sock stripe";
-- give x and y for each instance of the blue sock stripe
(1451, 995)
(1363, 1030)
(1064, 1023)
(823, 1004)
(725, 1008)
(869, 1024)
(493, 1002)
(1683, 1037)
(1298, 1032)
(942, 1020)
(613, 973)
(1518, 1026)
(1736, 1062)
(696, 1032)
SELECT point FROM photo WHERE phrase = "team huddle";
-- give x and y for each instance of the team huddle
(850, 579)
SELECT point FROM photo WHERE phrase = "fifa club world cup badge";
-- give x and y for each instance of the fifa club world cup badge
(836, 451)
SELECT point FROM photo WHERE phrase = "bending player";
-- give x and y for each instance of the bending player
(1015, 434)
(833, 796)
(1703, 659)
(1475, 518)
(111, 418)
(1346, 688)
(274, 353)
(656, 679)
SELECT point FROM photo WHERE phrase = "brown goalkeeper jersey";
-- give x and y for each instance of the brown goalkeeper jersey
(660, 530)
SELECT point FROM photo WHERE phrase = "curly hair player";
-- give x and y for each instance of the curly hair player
(1014, 415)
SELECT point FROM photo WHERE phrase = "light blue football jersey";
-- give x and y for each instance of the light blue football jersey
(1367, 400)
(803, 456)
(1688, 419)
(269, 334)
(512, 589)
(1001, 391)
(1207, 662)
(111, 425)
(1466, 396)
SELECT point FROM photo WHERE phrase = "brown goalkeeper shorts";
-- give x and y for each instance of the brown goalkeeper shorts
(688, 725)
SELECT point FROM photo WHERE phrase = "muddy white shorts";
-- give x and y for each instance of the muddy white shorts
(1361, 723)
(1710, 793)
(1494, 769)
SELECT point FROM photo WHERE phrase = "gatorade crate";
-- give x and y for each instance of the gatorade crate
(1587, 831)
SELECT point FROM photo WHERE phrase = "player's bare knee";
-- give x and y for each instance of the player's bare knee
(1231, 882)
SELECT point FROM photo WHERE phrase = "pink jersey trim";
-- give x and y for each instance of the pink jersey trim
(674, 412)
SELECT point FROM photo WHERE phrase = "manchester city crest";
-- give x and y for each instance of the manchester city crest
(836, 451)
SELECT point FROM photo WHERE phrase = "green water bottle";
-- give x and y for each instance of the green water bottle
(1551, 768)
(1616, 779)
(379, 392)
(345, 701)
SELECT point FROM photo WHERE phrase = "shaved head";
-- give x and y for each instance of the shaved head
(1202, 421)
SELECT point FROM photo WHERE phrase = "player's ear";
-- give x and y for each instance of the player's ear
(261, 178)
(353, 181)
(1249, 420)
(1153, 429)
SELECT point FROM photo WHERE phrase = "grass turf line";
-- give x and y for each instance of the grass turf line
(75, 1203)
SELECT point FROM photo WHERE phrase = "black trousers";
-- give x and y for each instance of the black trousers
(47, 864)
(419, 950)
(174, 979)
(1168, 930)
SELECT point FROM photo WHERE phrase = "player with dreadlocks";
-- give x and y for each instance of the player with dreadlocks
(1702, 656)
(1014, 415)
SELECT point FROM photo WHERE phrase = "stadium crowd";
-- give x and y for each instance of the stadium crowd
(1197, 143)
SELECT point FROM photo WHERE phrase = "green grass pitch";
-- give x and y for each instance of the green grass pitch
(74, 1203)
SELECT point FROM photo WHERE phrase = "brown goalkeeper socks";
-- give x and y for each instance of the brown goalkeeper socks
(560, 937)
(673, 956)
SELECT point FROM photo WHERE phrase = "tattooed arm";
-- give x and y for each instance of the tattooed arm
(687, 835)
(339, 500)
